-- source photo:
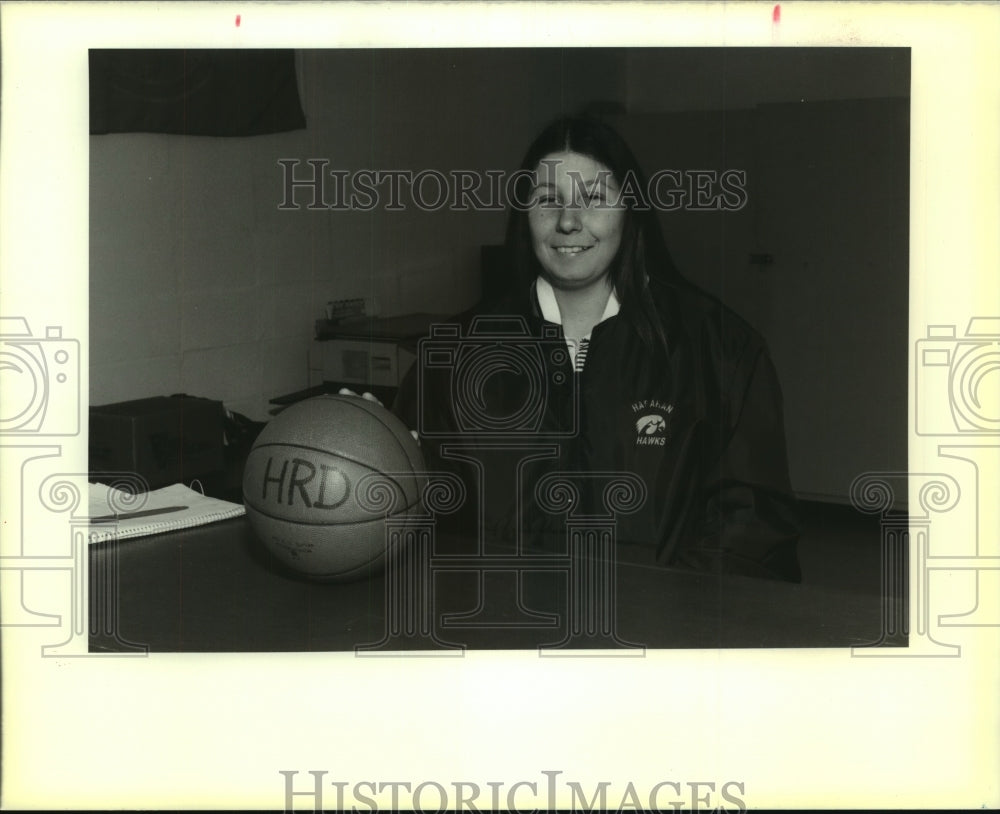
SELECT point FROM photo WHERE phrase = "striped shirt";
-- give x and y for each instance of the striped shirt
(580, 358)
(551, 313)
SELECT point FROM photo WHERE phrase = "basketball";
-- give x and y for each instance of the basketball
(324, 478)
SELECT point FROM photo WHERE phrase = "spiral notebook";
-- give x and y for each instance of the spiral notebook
(119, 515)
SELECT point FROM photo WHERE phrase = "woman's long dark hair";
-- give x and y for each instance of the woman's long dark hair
(642, 257)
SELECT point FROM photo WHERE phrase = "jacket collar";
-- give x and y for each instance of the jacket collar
(671, 299)
(548, 307)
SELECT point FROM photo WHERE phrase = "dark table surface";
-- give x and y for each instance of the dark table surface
(214, 588)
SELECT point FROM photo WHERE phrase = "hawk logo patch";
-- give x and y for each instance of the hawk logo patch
(652, 427)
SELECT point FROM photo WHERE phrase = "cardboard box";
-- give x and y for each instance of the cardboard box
(166, 439)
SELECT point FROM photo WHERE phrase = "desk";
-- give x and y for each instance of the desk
(215, 588)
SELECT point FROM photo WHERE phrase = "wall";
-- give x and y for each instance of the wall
(199, 284)
(712, 79)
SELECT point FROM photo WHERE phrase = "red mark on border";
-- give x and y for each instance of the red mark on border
(775, 15)
(237, 20)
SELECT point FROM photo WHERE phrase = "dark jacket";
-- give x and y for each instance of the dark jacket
(699, 428)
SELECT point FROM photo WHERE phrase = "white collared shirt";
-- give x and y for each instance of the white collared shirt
(550, 313)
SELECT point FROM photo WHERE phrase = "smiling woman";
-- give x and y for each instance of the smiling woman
(576, 224)
(605, 372)
(591, 181)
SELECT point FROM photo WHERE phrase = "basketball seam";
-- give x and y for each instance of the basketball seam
(362, 464)
(391, 431)
(371, 519)
(355, 402)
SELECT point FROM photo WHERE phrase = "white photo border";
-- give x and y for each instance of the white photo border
(810, 728)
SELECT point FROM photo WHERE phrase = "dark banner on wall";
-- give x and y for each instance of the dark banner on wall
(242, 92)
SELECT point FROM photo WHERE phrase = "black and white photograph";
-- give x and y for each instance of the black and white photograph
(616, 382)
(643, 310)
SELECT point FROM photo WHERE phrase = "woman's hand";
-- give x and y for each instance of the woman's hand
(345, 391)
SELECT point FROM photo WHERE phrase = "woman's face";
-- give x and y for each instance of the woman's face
(576, 219)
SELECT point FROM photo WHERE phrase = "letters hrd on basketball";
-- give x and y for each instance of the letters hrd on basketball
(321, 486)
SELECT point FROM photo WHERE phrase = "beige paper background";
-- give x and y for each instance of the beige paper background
(796, 728)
